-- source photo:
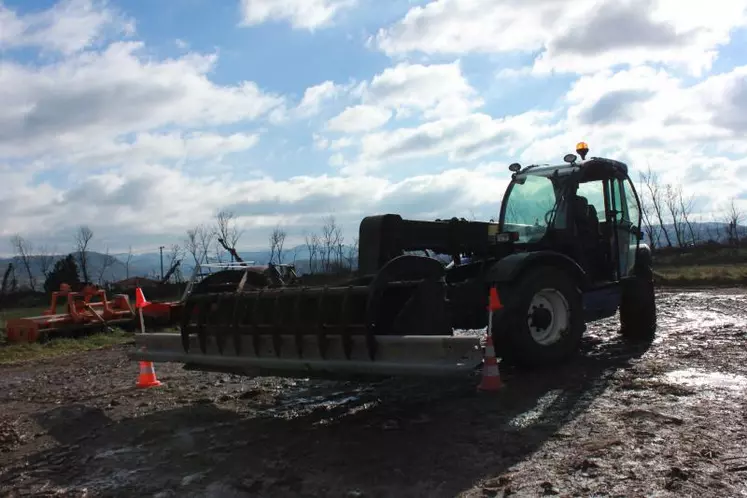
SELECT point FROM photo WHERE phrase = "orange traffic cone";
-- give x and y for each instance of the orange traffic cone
(494, 302)
(147, 377)
(140, 301)
(491, 376)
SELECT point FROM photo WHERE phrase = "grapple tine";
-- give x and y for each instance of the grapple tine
(220, 338)
(297, 323)
(320, 332)
(239, 312)
(347, 342)
(184, 331)
(204, 313)
(237, 315)
(277, 314)
(254, 319)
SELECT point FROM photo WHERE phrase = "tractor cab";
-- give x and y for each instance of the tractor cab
(587, 209)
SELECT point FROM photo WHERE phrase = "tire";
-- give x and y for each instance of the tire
(544, 344)
(638, 306)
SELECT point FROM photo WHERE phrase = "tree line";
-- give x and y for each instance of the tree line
(206, 243)
(667, 214)
(327, 251)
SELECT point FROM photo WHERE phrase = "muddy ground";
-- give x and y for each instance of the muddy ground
(668, 421)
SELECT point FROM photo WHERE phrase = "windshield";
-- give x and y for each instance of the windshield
(528, 207)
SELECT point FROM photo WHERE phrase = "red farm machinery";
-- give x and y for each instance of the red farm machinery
(89, 308)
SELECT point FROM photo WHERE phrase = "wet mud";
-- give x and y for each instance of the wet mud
(666, 420)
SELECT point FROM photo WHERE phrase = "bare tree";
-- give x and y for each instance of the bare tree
(652, 229)
(734, 219)
(82, 238)
(106, 262)
(175, 255)
(671, 201)
(651, 181)
(198, 243)
(128, 261)
(313, 248)
(332, 244)
(277, 241)
(296, 250)
(686, 209)
(220, 252)
(352, 254)
(23, 249)
(8, 277)
(46, 258)
(227, 231)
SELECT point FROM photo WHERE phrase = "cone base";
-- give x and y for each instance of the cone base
(490, 385)
(153, 383)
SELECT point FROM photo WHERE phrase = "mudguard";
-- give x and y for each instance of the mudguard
(511, 267)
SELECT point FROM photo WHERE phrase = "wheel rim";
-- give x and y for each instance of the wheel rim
(548, 316)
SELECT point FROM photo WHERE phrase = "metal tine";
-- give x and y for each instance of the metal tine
(255, 329)
(189, 307)
(321, 335)
(236, 315)
(297, 322)
(277, 313)
(347, 341)
(201, 323)
(218, 331)
(243, 303)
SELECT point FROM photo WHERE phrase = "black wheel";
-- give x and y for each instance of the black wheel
(542, 321)
(638, 306)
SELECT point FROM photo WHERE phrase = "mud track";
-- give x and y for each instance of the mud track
(666, 421)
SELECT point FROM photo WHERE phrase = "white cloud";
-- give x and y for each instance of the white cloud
(359, 118)
(96, 97)
(650, 117)
(158, 201)
(437, 90)
(437, 93)
(301, 14)
(463, 138)
(316, 96)
(581, 36)
(153, 147)
(67, 27)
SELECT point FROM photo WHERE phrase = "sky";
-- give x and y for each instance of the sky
(143, 119)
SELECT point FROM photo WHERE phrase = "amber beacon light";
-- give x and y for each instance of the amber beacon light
(582, 149)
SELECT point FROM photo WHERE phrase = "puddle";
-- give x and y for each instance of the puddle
(709, 380)
(291, 404)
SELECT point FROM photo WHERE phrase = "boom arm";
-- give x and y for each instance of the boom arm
(384, 237)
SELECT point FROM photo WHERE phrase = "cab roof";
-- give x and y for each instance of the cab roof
(594, 168)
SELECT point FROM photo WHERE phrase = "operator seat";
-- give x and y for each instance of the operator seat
(587, 230)
(585, 218)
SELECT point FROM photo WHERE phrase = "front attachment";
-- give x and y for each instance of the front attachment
(398, 315)
(407, 297)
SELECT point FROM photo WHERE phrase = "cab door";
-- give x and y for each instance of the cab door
(626, 222)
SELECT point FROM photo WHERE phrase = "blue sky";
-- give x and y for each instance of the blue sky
(143, 119)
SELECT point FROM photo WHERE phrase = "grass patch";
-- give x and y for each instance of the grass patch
(19, 313)
(15, 353)
(712, 274)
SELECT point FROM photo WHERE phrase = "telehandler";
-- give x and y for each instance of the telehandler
(566, 250)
